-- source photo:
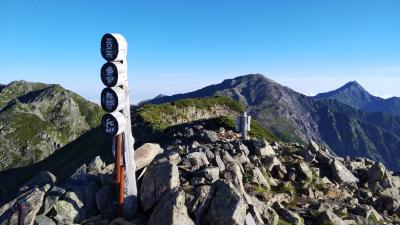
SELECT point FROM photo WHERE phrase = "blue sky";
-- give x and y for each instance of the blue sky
(179, 46)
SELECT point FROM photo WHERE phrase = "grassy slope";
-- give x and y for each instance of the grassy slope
(154, 115)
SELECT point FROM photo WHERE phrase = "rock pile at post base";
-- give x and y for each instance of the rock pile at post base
(210, 177)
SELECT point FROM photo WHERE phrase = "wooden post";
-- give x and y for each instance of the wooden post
(118, 155)
(121, 192)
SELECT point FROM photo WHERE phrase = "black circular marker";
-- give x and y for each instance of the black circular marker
(109, 47)
(109, 100)
(109, 74)
(110, 124)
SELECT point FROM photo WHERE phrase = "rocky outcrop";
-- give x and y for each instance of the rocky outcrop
(23, 209)
(171, 209)
(341, 174)
(145, 154)
(157, 180)
(220, 182)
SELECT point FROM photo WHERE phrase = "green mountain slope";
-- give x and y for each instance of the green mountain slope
(37, 119)
(151, 120)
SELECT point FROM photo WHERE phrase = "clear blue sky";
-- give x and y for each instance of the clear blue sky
(179, 46)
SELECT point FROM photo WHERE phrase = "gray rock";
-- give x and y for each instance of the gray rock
(313, 147)
(234, 175)
(197, 160)
(259, 178)
(218, 161)
(81, 190)
(43, 180)
(158, 179)
(169, 156)
(367, 211)
(288, 215)
(195, 145)
(239, 148)
(51, 198)
(106, 201)
(268, 214)
(328, 217)
(195, 202)
(64, 212)
(322, 207)
(196, 181)
(96, 166)
(171, 209)
(271, 163)
(145, 154)
(389, 199)
(210, 155)
(249, 220)
(23, 209)
(210, 136)
(341, 174)
(211, 174)
(227, 206)
(323, 158)
(262, 148)
(376, 172)
(304, 171)
(43, 220)
(307, 155)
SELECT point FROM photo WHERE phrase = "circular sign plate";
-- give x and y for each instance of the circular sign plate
(110, 124)
(109, 47)
(109, 74)
(109, 100)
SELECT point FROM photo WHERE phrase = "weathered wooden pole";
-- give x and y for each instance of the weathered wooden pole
(121, 192)
(118, 158)
(115, 101)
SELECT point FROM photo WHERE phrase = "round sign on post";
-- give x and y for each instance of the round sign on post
(113, 47)
(112, 99)
(113, 74)
(113, 123)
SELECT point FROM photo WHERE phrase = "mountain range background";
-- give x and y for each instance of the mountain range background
(351, 121)
(46, 127)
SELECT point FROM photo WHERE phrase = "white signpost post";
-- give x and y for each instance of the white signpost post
(117, 121)
(243, 125)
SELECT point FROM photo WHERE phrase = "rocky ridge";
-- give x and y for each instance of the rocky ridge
(37, 119)
(208, 176)
(294, 117)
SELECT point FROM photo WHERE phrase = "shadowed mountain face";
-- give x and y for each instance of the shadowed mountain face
(354, 95)
(37, 119)
(292, 116)
(280, 109)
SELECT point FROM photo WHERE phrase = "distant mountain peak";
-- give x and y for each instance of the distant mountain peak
(253, 76)
(352, 84)
(352, 93)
